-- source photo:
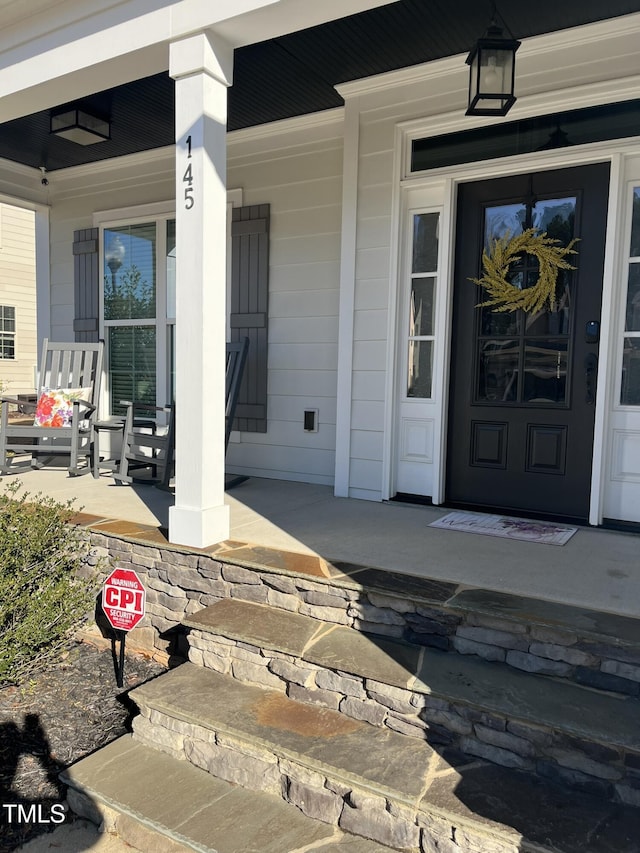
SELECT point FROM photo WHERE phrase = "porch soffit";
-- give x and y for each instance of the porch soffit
(296, 74)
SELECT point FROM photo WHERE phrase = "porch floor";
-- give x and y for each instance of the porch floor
(597, 569)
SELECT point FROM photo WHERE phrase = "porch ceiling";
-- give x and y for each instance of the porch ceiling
(296, 74)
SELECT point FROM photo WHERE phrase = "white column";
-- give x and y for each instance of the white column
(201, 65)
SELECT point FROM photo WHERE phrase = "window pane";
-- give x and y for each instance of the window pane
(132, 365)
(545, 371)
(420, 361)
(7, 318)
(498, 221)
(130, 272)
(7, 349)
(630, 393)
(171, 269)
(635, 224)
(425, 242)
(421, 307)
(499, 322)
(557, 130)
(633, 300)
(556, 216)
(498, 371)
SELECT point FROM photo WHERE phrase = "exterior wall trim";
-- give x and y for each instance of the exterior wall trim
(165, 154)
(527, 106)
(351, 143)
(391, 381)
(536, 47)
(43, 277)
(613, 152)
(288, 125)
(606, 380)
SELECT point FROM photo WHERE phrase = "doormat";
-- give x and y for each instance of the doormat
(505, 527)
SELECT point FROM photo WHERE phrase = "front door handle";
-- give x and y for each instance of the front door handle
(590, 369)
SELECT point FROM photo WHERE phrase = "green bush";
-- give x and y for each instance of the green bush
(44, 591)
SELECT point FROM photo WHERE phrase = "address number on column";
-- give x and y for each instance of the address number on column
(187, 179)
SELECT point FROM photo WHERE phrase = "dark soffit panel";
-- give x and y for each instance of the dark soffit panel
(296, 74)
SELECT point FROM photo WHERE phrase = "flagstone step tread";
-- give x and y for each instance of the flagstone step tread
(189, 809)
(491, 686)
(589, 624)
(380, 761)
(443, 786)
(594, 625)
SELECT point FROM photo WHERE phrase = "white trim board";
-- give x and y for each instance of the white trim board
(613, 152)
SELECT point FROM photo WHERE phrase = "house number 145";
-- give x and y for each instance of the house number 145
(187, 179)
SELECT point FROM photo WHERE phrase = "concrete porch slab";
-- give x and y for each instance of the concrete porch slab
(597, 569)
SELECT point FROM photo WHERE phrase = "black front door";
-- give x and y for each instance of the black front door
(521, 414)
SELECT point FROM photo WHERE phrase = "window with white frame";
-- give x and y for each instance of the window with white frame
(7, 331)
(138, 301)
(139, 311)
(630, 385)
(422, 293)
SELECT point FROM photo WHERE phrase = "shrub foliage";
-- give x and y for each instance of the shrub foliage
(44, 593)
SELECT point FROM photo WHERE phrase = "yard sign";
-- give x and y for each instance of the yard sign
(123, 599)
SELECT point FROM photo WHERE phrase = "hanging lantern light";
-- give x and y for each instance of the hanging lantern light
(492, 72)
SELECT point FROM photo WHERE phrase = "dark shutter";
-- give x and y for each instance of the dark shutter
(86, 285)
(249, 310)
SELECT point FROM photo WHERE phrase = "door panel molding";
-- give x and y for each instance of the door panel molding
(546, 449)
(488, 446)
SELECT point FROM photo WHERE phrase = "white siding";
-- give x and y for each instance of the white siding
(371, 310)
(76, 194)
(18, 290)
(300, 176)
(439, 101)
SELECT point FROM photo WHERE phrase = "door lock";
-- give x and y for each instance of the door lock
(592, 332)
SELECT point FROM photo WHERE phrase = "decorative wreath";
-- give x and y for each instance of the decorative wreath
(507, 250)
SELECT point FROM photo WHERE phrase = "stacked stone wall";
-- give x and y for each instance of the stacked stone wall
(610, 772)
(180, 584)
(318, 792)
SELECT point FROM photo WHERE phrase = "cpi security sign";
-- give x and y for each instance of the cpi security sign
(123, 599)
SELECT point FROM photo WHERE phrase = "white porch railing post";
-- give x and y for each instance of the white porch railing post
(201, 66)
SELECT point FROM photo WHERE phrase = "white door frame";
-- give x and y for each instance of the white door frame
(450, 178)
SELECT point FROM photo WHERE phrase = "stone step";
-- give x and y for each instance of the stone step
(590, 647)
(551, 727)
(187, 809)
(600, 650)
(365, 780)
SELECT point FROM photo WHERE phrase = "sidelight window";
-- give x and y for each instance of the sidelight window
(630, 386)
(422, 294)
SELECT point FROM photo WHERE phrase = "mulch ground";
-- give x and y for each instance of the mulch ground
(51, 720)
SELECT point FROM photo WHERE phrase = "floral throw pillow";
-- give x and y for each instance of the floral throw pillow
(55, 406)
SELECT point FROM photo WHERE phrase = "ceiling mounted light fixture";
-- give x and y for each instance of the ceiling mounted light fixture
(80, 126)
(492, 71)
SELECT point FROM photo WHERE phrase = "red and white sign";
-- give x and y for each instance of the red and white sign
(123, 599)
